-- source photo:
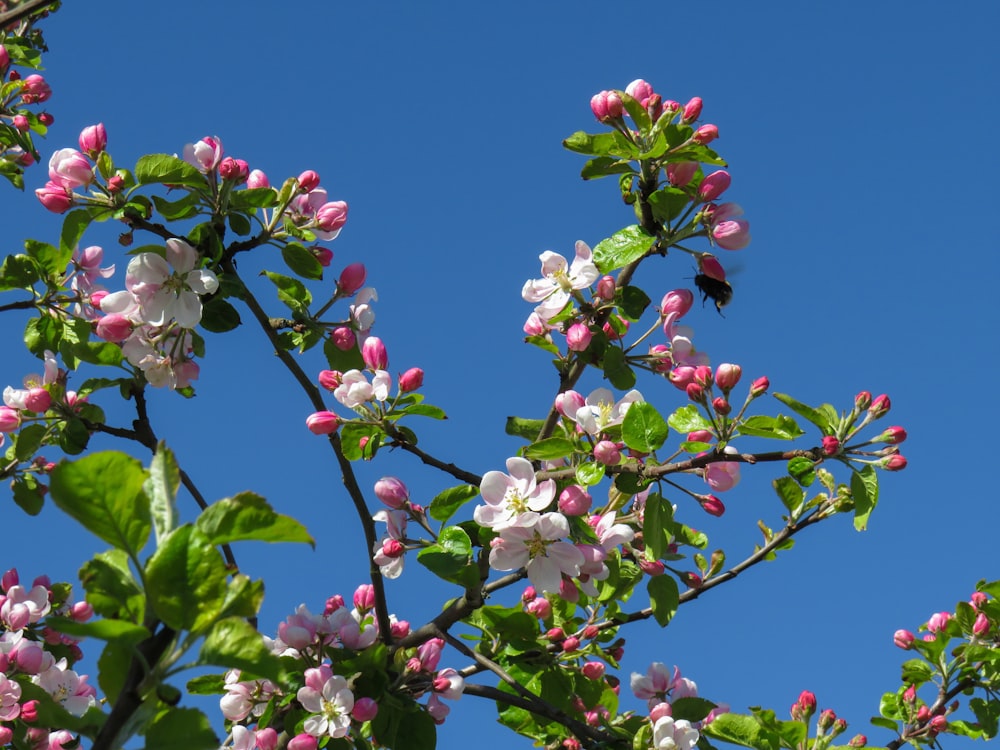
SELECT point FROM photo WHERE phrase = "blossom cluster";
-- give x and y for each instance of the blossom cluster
(18, 95)
(31, 652)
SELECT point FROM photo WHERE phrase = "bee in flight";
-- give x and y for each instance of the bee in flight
(711, 282)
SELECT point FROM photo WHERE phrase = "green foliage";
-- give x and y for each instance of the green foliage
(447, 502)
(664, 597)
(247, 516)
(451, 557)
(168, 170)
(643, 429)
(622, 248)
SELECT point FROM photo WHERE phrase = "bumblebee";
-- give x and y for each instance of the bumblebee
(720, 291)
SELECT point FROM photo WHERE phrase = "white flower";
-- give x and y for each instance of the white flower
(539, 548)
(508, 497)
(674, 735)
(164, 294)
(602, 411)
(554, 290)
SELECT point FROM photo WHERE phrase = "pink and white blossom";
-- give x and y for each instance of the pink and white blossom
(560, 279)
(329, 699)
(671, 734)
(204, 155)
(601, 411)
(540, 548)
(510, 496)
(169, 288)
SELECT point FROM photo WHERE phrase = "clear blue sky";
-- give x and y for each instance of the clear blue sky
(861, 143)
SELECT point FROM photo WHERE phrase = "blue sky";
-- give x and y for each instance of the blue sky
(861, 147)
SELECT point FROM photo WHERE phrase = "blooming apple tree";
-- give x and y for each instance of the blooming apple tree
(588, 529)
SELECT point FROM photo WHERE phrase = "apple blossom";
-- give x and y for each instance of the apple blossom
(257, 179)
(67, 688)
(606, 105)
(10, 419)
(374, 354)
(639, 90)
(677, 301)
(682, 172)
(355, 390)
(601, 411)
(705, 134)
(55, 197)
(670, 734)
(365, 709)
(204, 155)
(539, 548)
(514, 498)
(361, 312)
(578, 337)
(166, 293)
(93, 140)
(692, 110)
(714, 185)
(411, 380)
(560, 279)
(722, 476)
(35, 89)
(322, 423)
(330, 218)
(392, 492)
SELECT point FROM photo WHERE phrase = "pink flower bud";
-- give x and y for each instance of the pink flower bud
(29, 711)
(982, 625)
(374, 354)
(10, 419)
(568, 591)
(759, 387)
(266, 739)
(705, 134)
(703, 376)
(654, 107)
(400, 629)
(554, 635)
(593, 670)
(862, 401)
(204, 155)
(727, 376)
(826, 719)
(692, 110)
(606, 288)
(652, 567)
(910, 694)
(578, 337)
(923, 714)
(529, 594)
(831, 445)
(659, 711)
(540, 608)
(858, 740)
(682, 172)
(880, 406)
(302, 742)
(38, 400)
(351, 279)
(330, 379)
(364, 597)
(574, 501)
(6, 733)
(807, 700)
(571, 644)
(714, 185)
(343, 338)
(411, 380)
(639, 90)
(10, 578)
(257, 179)
(691, 580)
(700, 436)
(35, 89)
(709, 265)
(81, 611)
(893, 435)
(939, 723)
(392, 492)
(677, 301)
(611, 332)
(894, 463)
(938, 621)
(55, 197)
(20, 123)
(4, 62)
(569, 403)
(606, 105)
(114, 327)
(330, 217)
(695, 392)
(323, 254)
(93, 140)
(116, 183)
(234, 170)
(977, 600)
(46, 119)
(591, 632)
(322, 422)
(721, 406)
(607, 453)
(364, 709)
(733, 234)
(308, 181)
(712, 505)
(681, 376)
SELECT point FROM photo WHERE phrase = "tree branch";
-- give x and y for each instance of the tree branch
(22, 11)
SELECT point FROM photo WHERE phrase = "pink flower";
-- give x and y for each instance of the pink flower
(449, 684)
(166, 293)
(539, 548)
(10, 419)
(653, 685)
(677, 301)
(330, 218)
(10, 695)
(733, 234)
(355, 390)
(574, 500)
(93, 140)
(514, 498)
(560, 279)
(411, 380)
(578, 337)
(705, 134)
(723, 475)
(352, 278)
(714, 185)
(392, 492)
(374, 354)
(55, 197)
(204, 155)
(67, 687)
(257, 179)
(322, 423)
(35, 89)
(327, 697)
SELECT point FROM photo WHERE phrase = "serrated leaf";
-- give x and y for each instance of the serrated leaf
(103, 492)
(657, 523)
(425, 410)
(75, 223)
(789, 492)
(616, 368)
(120, 631)
(302, 262)
(168, 170)
(634, 302)
(234, 644)
(161, 489)
(450, 557)
(664, 598)
(589, 474)
(601, 144)
(864, 488)
(186, 580)
(802, 470)
(111, 589)
(447, 502)
(219, 316)
(247, 516)
(741, 730)
(779, 427)
(643, 429)
(806, 412)
(691, 708)
(549, 449)
(603, 166)
(688, 419)
(291, 291)
(181, 729)
(623, 247)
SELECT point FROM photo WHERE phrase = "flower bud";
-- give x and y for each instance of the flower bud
(711, 505)
(677, 301)
(568, 403)
(652, 567)
(938, 621)
(374, 354)
(308, 181)
(831, 445)
(29, 711)
(826, 719)
(302, 742)
(55, 197)
(606, 288)
(116, 183)
(392, 492)
(759, 387)
(6, 733)
(923, 714)
(639, 90)
(714, 185)
(807, 701)
(257, 179)
(709, 265)
(858, 740)
(343, 338)
(939, 723)
(681, 376)
(910, 694)
(593, 670)
(982, 625)
(662, 356)
(611, 332)
(977, 600)
(705, 134)
(234, 170)
(578, 337)
(690, 579)
(721, 406)
(330, 379)
(20, 123)
(35, 89)
(606, 105)
(880, 406)
(700, 436)
(322, 422)
(903, 639)
(4, 62)
(10, 578)
(893, 463)
(863, 400)
(266, 739)
(727, 376)
(554, 635)
(364, 709)
(540, 608)
(607, 453)
(692, 110)
(733, 234)
(10, 419)
(411, 380)
(351, 279)
(364, 597)
(682, 172)
(323, 254)
(38, 400)
(893, 435)
(114, 327)
(571, 644)
(574, 501)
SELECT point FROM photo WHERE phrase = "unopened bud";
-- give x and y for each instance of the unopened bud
(826, 719)
(352, 278)
(411, 380)
(727, 376)
(374, 354)
(894, 463)
(705, 134)
(858, 740)
(721, 406)
(692, 110)
(831, 445)
(880, 406)
(606, 288)
(308, 181)
(982, 625)
(893, 435)
(862, 401)
(759, 387)
(903, 638)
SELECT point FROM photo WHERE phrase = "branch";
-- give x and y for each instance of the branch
(449, 468)
(24, 10)
(26, 304)
(346, 470)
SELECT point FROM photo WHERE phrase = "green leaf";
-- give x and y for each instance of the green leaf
(425, 410)
(864, 488)
(664, 598)
(111, 589)
(549, 448)
(248, 516)
(779, 427)
(668, 202)
(447, 502)
(18, 272)
(643, 429)
(218, 316)
(302, 262)
(802, 470)
(623, 247)
(291, 291)
(789, 492)
(688, 419)
(74, 437)
(181, 729)
(602, 166)
(186, 580)
(692, 709)
(161, 489)
(123, 632)
(601, 144)
(239, 223)
(169, 170)
(987, 713)
(183, 208)
(28, 440)
(636, 111)
(207, 684)
(657, 524)
(916, 671)
(338, 359)
(589, 474)
(524, 428)
(27, 494)
(351, 435)
(634, 302)
(103, 492)
(112, 667)
(616, 369)
(234, 644)
(889, 724)
(807, 412)
(52, 260)
(741, 730)
(450, 557)
(74, 225)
